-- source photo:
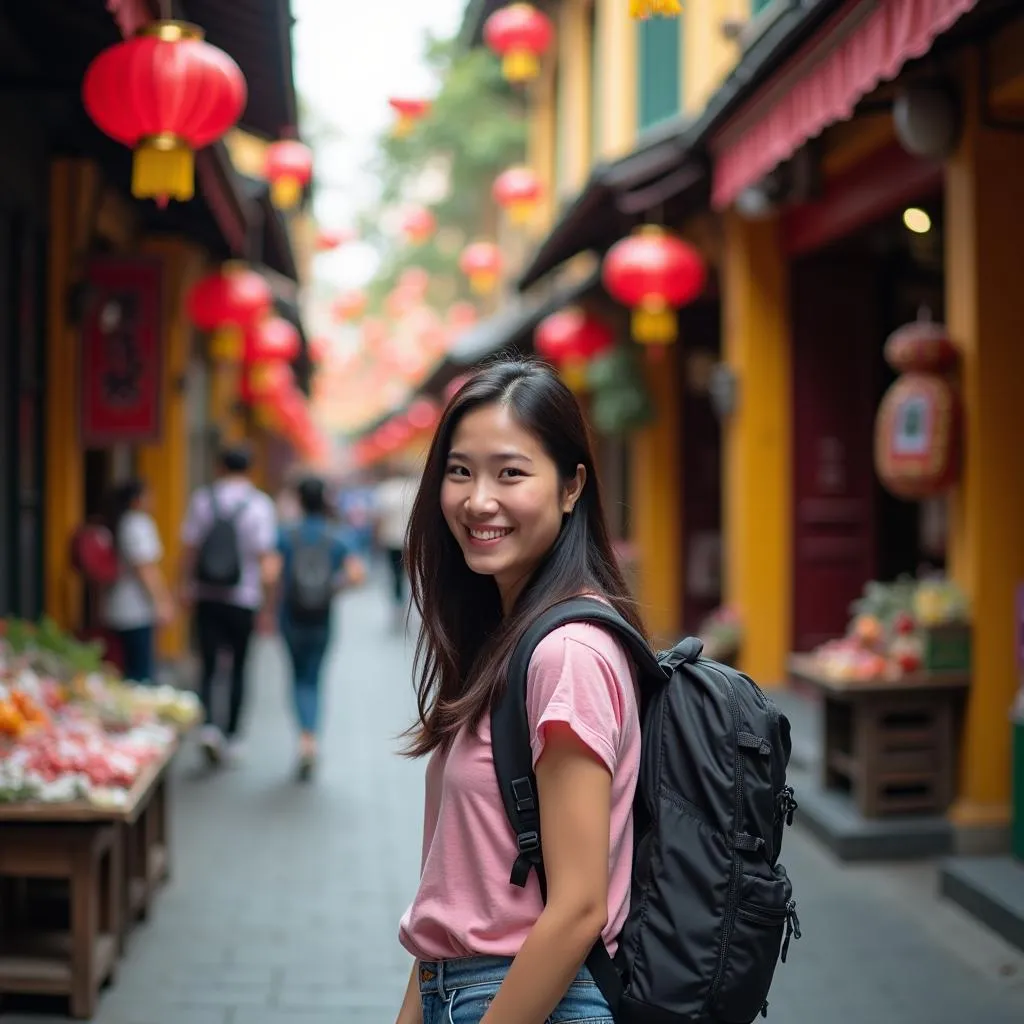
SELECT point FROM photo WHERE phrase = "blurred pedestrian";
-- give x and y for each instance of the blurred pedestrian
(315, 564)
(230, 553)
(508, 522)
(138, 601)
(393, 505)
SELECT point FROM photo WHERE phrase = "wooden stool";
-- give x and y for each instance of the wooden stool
(78, 962)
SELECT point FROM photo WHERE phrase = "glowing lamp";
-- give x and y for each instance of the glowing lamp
(409, 112)
(227, 302)
(654, 274)
(289, 169)
(570, 338)
(481, 263)
(518, 190)
(419, 225)
(520, 35)
(274, 340)
(184, 95)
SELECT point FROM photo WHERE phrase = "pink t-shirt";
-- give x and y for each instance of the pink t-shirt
(579, 675)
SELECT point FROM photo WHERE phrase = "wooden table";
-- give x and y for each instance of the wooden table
(113, 860)
(891, 742)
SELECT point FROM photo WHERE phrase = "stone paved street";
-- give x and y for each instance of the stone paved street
(285, 900)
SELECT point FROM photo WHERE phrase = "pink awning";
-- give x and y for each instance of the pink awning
(867, 43)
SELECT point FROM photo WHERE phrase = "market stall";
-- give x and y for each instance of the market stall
(84, 766)
(892, 692)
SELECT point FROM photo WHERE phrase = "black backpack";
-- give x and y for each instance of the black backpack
(310, 586)
(711, 909)
(219, 560)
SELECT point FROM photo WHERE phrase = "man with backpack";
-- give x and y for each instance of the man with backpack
(229, 556)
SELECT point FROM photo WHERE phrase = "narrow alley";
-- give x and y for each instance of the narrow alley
(285, 900)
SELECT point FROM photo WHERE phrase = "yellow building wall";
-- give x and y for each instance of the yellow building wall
(617, 97)
(984, 219)
(708, 55)
(573, 100)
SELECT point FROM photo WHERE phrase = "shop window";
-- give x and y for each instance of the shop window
(659, 69)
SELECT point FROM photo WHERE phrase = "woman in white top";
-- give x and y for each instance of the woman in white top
(138, 600)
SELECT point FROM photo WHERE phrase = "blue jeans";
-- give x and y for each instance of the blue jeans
(459, 992)
(137, 652)
(307, 647)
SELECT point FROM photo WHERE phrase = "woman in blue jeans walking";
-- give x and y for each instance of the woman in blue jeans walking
(315, 565)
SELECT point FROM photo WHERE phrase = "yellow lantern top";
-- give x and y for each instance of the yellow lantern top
(661, 8)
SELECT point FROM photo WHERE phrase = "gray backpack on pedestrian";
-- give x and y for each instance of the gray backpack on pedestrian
(219, 559)
(310, 586)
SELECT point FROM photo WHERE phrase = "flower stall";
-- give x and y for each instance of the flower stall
(84, 760)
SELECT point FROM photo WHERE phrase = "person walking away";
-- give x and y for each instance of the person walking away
(315, 564)
(230, 554)
(508, 521)
(393, 501)
(138, 600)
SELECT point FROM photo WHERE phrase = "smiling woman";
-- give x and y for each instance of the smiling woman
(508, 522)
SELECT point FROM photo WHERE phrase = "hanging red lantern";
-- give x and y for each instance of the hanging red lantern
(644, 9)
(518, 190)
(419, 225)
(289, 169)
(570, 339)
(165, 93)
(520, 35)
(319, 348)
(269, 380)
(328, 239)
(481, 262)
(273, 339)
(423, 414)
(349, 306)
(410, 112)
(227, 302)
(653, 273)
(918, 429)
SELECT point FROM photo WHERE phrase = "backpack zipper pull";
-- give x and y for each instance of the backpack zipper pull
(792, 928)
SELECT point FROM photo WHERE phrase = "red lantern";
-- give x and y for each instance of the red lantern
(570, 339)
(274, 340)
(326, 239)
(653, 273)
(518, 190)
(165, 94)
(419, 225)
(289, 169)
(319, 348)
(423, 414)
(520, 35)
(349, 306)
(919, 423)
(481, 263)
(409, 112)
(270, 380)
(227, 302)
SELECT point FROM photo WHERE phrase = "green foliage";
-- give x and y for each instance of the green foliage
(620, 401)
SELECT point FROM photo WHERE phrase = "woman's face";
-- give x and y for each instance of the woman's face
(503, 497)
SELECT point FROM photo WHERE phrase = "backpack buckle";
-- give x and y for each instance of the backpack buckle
(522, 791)
(528, 842)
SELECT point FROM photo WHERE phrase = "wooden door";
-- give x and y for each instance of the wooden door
(836, 341)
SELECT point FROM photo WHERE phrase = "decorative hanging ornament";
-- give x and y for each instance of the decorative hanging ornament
(227, 302)
(423, 414)
(165, 93)
(481, 263)
(570, 339)
(289, 169)
(918, 429)
(273, 339)
(518, 190)
(654, 274)
(644, 9)
(410, 112)
(520, 35)
(270, 380)
(418, 225)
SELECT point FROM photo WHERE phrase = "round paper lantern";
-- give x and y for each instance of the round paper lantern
(227, 302)
(520, 35)
(289, 169)
(419, 225)
(653, 273)
(274, 339)
(481, 263)
(269, 380)
(349, 306)
(644, 9)
(518, 190)
(409, 111)
(570, 338)
(165, 94)
(918, 428)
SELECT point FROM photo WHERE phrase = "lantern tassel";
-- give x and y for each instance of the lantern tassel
(643, 9)
(483, 283)
(226, 344)
(520, 66)
(286, 192)
(654, 323)
(403, 127)
(162, 168)
(574, 373)
(520, 212)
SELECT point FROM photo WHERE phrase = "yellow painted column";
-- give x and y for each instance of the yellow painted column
(984, 220)
(64, 493)
(757, 474)
(617, 54)
(656, 507)
(573, 97)
(541, 149)
(165, 465)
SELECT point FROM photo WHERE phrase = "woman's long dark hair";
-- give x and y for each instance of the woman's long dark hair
(465, 643)
(121, 500)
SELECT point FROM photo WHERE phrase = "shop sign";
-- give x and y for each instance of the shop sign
(122, 348)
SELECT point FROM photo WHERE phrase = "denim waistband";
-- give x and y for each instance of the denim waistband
(442, 977)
